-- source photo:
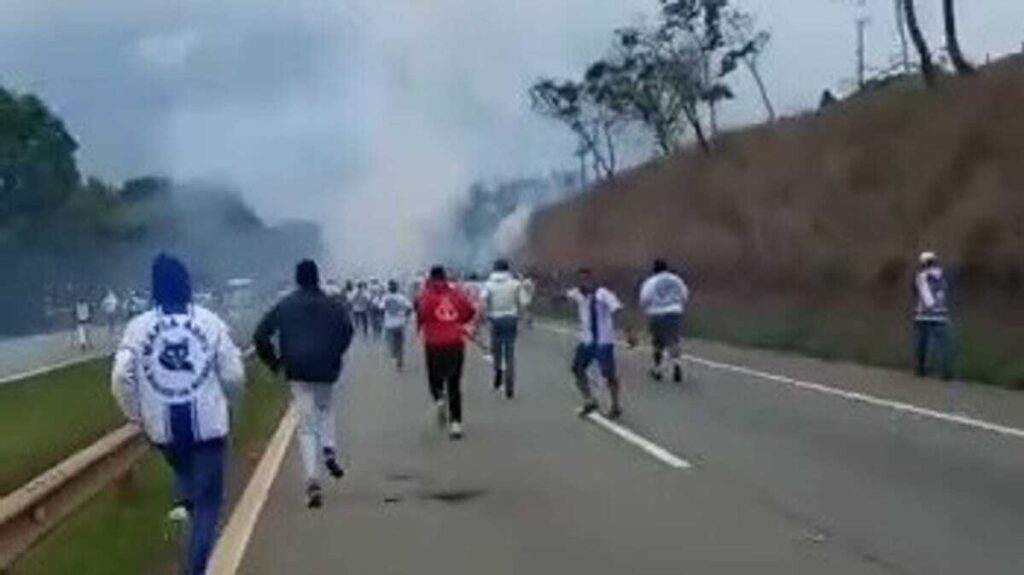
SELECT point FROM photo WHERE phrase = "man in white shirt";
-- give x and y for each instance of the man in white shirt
(110, 306)
(397, 309)
(663, 298)
(597, 308)
(83, 316)
(503, 300)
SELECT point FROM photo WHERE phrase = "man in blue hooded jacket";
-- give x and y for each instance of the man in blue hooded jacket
(173, 374)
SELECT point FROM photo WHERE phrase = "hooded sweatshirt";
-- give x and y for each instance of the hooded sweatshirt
(504, 296)
(442, 313)
(177, 364)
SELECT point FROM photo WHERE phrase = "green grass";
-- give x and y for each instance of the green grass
(986, 351)
(123, 531)
(865, 332)
(46, 418)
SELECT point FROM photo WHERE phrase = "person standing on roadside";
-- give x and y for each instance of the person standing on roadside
(396, 315)
(174, 373)
(597, 307)
(663, 298)
(83, 316)
(313, 333)
(503, 299)
(111, 305)
(443, 315)
(932, 323)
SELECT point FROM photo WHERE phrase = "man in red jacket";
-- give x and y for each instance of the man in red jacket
(443, 315)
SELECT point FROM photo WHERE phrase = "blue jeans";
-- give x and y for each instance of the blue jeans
(199, 478)
(933, 338)
(504, 331)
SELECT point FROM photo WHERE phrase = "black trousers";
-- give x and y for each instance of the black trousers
(444, 373)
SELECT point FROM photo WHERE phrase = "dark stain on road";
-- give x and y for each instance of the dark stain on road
(455, 496)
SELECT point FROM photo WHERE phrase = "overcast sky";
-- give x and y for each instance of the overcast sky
(372, 116)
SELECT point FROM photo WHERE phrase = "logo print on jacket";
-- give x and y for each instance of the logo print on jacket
(446, 311)
(174, 357)
(178, 359)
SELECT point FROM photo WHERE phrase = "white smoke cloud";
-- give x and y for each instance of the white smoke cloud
(373, 116)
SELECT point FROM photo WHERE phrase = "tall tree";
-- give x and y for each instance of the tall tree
(928, 69)
(37, 157)
(956, 55)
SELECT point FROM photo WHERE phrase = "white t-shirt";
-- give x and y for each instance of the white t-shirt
(603, 304)
(396, 310)
(664, 293)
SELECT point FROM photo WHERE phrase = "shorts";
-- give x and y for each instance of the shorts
(604, 355)
(666, 330)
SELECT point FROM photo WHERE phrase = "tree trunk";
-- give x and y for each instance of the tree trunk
(698, 129)
(901, 27)
(756, 74)
(610, 145)
(963, 67)
(920, 43)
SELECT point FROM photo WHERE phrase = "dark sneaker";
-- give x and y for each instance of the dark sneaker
(587, 408)
(615, 413)
(331, 463)
(656, 375)
(499, 379)
(314, 496)
(677, 374)
(510, 393)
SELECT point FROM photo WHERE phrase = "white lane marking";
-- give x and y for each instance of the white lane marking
(52, 368)
(654, 450)
(234, 540)
(835, 392)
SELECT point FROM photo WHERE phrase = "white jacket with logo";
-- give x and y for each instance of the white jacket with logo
(664, 293)
(504, 296)
(180, 364)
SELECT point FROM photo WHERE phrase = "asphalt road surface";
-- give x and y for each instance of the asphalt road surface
(24, 354)
(784, 478)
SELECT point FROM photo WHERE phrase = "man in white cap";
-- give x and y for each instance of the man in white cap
(932, 316)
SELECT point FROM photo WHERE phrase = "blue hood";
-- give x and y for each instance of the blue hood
(172, 287)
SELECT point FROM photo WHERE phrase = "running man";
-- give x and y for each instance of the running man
(313, 333)
(397, 309)
(360, 305)
(376, 308)
(444, 314)
(174, 373)
(663, 298)
(503, 299)
(597, 307)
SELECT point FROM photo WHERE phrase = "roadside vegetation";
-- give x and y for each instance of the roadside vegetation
(124, 530)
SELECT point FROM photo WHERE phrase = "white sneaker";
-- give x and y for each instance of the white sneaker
(455, 431)
(178, 514)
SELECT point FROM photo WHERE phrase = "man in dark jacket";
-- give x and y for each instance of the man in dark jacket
(313, 332)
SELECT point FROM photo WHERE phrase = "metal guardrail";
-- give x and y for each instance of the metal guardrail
(40, 505)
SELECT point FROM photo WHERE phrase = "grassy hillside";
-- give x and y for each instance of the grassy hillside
(822, 217)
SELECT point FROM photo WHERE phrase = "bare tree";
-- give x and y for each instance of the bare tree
(928, 69)
(956, 55)
(595, 126)
(748, 44)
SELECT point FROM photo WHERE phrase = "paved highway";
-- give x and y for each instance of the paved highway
(867, 475)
